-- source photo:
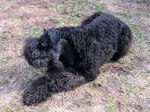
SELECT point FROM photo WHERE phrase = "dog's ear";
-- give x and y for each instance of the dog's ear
(54, 35)
(44, 29)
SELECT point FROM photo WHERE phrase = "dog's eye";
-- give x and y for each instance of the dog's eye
(45, 42)
(45, 45)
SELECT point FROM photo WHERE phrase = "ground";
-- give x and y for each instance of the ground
(121, 87)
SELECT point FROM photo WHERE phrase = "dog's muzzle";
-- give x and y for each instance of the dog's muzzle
(35, 56)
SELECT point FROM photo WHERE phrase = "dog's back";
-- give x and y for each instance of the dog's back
(107, 25)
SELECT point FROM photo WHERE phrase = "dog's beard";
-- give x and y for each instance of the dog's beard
(36, 56)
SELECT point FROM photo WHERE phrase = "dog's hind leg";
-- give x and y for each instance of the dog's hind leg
(124, 43)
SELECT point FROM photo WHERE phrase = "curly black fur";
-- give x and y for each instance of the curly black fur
(73, 55)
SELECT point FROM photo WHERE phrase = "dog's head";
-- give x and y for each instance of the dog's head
(40, 51)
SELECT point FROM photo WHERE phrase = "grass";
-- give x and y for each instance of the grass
(123, 86)
(11, 110)
(111, 106)
(75, 9)
(89, 94)
(99, 7)
(78, 6)
(3, 59)
(59, 7)
(45, 109)
(5, 35)
(126, 15)
(62, 20)
(8, 110)
(143, 1)
(75, 20)
(35, 32)
(138, 31)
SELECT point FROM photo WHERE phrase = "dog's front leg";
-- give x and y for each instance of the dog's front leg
(64, 81)
(44, 87)
(36, 92)
(55, 66)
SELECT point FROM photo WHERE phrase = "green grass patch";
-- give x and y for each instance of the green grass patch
(4, 58)
(59, 7)
(11, 110)
(88, 93)
(143, 1)
(8, 110)
(5, 35)
(75, 20)
(6, 77)
(62, 20)
(80, 5)
(99, 7)
(111, 106)
(45, 109)
(126, 15)
(36, 31)
(72, 7)
(136, 29)
(140, 40)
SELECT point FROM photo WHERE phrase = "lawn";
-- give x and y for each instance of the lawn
(121, 87)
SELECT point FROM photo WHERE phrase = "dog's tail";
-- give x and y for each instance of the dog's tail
(124, 43)
(90, 19)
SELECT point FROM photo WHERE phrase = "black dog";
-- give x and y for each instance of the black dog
(73, 55)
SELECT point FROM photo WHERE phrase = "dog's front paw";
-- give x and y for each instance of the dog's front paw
(36, 93)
